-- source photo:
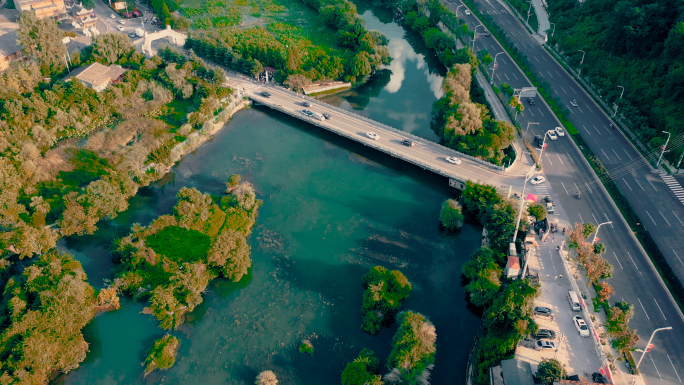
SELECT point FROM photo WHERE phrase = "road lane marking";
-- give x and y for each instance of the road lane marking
(668, 222)
(576, 186)
(618, 260)
(544, 57)
(630, 157)
(642, 306)
(680, 221)
(560, 159)
(676, 255)
(649, 181)
(530, 111)
(604, 154)
(566, 190)
(661, 310)
(578, 214)
(656, 368)
(507, 78)
(618, 156)
(548, 71)
(516, 78)
(599, 132)
(535, 58)
(540, 112)
(580, 110)
(630, 189)
(639, 184)
(630, 257)
(608, 220)
(573, 162)
(559, 75)
(594, 216)
(673, 367)
(566, 92)
(585, 127)
(547, 157)
(649, 215)
(589, 108)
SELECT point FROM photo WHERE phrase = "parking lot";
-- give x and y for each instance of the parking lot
(577, 353)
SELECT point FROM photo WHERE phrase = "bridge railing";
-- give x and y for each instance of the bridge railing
(473, 159)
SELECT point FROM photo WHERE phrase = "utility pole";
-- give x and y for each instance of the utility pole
(616, 106)
(579, 70)
(522, 203)
(528, 126)
(494, 66)
(474, 36)
(649, 343)
(597, 229)
(663, 150)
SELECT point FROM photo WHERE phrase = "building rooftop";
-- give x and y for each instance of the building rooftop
(516, 372)
(97, 74)
(8, 37)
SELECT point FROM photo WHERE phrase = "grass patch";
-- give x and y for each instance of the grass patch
(179, 244)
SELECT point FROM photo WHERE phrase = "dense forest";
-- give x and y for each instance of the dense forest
(636, 44)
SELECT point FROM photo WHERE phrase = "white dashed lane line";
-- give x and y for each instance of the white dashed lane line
(608, 220)
(649, 181)
(642, 306)
(566, 92)
(673, 367)
(580, 110)
(618, 260)
(630, 257)
(573, 162)
(661, 214)
(516, 78)
(630, 157)
(618, 156)
(548, 71)
(597, 130)
(637, 181)
(604, 154)
(649, 215)
(630, 189)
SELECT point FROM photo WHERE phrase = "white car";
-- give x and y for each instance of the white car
(545, 345)
(112, 16)
(560, 131)
(538, 180)
(372, 135)
(574, 103)
(581, 326)
(120, 28)
(122, 22)
(552, 134)
(453, 160)
(467, 12)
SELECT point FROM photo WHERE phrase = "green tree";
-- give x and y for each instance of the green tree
(484, 276)
(41, 39)
(413, 349)
(450, 215)
(163, 354)
(385, 292)
(109, 47)
(360, 65)
(550, 371)
(364, 370)
(538, 211)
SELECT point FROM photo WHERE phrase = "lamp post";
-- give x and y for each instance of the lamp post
(616, 106)
(475, 35)
(528, 126)
(649, 343)
(663, 150)
(494, 66)
(542, 148)
(522, 203)
(462, 5)
(597, 229)
(579, 70)
(554, 29)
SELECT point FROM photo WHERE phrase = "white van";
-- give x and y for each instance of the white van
(574, 301)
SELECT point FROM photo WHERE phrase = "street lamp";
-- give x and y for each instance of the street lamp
(474, 35)
(663, 150)
(597, 229)
(494, 66)
(616, 106)
(580, 63)
(522, 202)
(554, 29)
(528, 126)
(542, 148)
(649, 343)
(462, 5)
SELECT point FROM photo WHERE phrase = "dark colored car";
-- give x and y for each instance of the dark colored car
(538, 140)
(266, 94)
(327, 115)
(530, 101)
(306, 104)
(407, 143)
(543, 311)
(546, 333)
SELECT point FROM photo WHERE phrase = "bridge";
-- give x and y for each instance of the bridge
(424, 153)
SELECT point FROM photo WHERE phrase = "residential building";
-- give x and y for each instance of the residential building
(9, 49)
(98, 76)
(43, 8)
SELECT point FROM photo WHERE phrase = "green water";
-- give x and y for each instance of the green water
(332, 209)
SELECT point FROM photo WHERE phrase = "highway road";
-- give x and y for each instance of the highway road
(634, 278)
(424, 153)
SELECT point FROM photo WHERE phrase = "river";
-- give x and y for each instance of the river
(332, 209)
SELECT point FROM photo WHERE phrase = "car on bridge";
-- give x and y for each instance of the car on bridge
(538, 180)
(453, 160)
(305, 104)
(560, 131)
(307, 113)
(265, 94)
(580, 325)
(327, 116)
(372, 135)
(407, 143)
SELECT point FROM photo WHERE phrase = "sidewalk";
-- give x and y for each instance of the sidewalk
(542, 17)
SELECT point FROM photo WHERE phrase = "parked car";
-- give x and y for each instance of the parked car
(327, 115)
(541, 310)
(265, 94)
(407, 143)
(545, 345)
(306, 104)
(560, 131)
(552, 134)
(546, 333)
(539, 180)
(574, 103)
(530, 101)
(453, 160)
(581, 326)
(372, 135)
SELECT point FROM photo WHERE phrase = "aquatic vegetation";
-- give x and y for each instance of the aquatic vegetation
(163, 354)
(306, 347)
(413, 352)
(364, 370)
(385, 292)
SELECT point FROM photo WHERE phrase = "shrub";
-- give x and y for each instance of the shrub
(384, 294)
(363, 370)
(451, 215)
(179, 244)
(163, 354)
(306, 347)
(413, 349)
(550, 371)
(538, 211)
(267, 377)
